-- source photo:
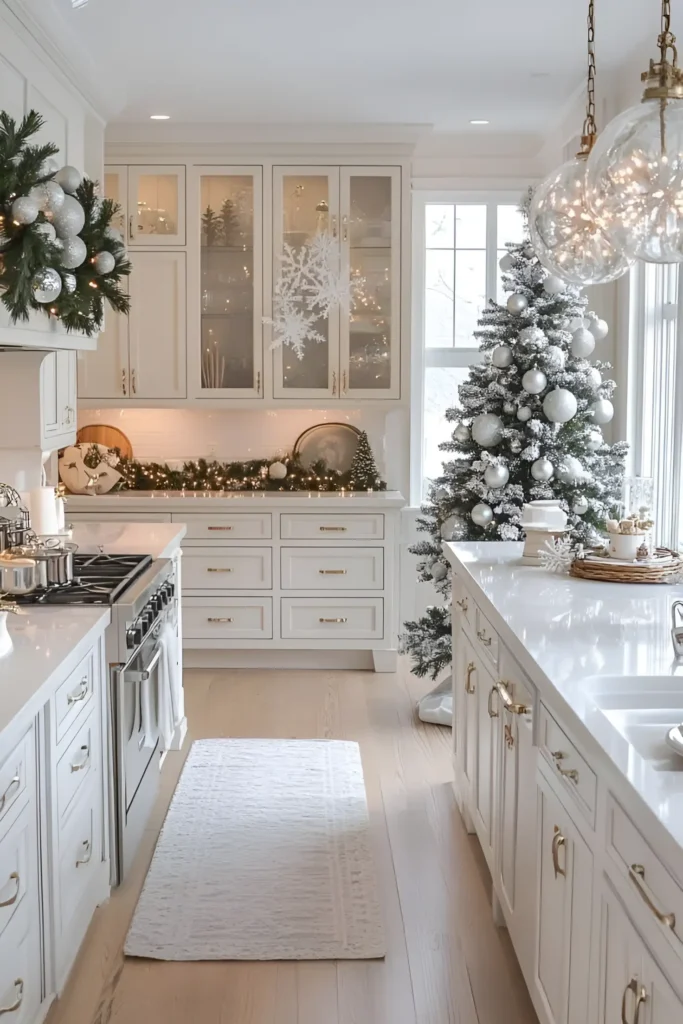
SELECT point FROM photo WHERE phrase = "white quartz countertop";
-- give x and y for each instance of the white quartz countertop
(200, 501)
(48, 644)
(579, 640)
(160, 540)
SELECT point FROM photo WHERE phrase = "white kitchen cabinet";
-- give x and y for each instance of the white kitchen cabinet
(152, 201)
(40, 406)
(58, 394)
(143, 356)
(564, 902)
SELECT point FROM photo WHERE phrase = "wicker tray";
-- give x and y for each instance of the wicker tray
(611, 571)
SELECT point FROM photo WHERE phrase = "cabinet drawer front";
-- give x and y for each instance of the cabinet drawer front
(487, 638)
(571, 768)
(74, 695)
(75, 766)
(651, 882)
(228, 618)
(238, 569)
(20, 994)
(80, 852)
(14, 867)
(15, 772)
(304, 526)
(332, 568)
(221, 528)
(331, 618)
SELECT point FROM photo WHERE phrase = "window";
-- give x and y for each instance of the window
(458, 240)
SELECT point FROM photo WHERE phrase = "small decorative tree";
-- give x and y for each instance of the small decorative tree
(230, 223)
(211, 226)
(364, 473)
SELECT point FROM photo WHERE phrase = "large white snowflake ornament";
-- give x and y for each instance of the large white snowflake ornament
(558, 555)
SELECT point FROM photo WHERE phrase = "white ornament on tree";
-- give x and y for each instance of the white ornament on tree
(70, 178)
(482, 514)
(534, 381)
(583, 343)
(104, 262)
(496, 476)
(524, 413)
(570, 470)
(555, 357)
(462, 433)
(487, 429)
(505, 263)
(501, 356)
(560, 405)
(24, 210)
(598, 328)
(601, 411)
(542, 470)
(277, 471)
(554, 285)
(517, 304)
(580, 505)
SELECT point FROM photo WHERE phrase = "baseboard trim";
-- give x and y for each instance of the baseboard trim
(282, 659)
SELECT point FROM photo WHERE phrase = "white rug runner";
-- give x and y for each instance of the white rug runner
(264, 855)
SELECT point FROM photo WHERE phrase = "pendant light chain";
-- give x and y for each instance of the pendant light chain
(590, 130)
(667, 40)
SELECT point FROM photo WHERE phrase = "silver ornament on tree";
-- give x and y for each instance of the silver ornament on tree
(49, 196)
(501, 356)
(104, 262)
(462, 433)
(69, 219)
(46, 285)
(560, 405)
(505, 263)
(598, 328)
(534, 381)
(482, 514)
(496, 476)
(69, 282)
(542, 470)
(570, 470)
(509, 408)
(74, 252)
(555, 357)
(487, 429)
(24, 210)
(517, 303)
(554, 285)
(601, 411)
(580, 505)
(70, 178)
(524, 414)
(277, 471)
(583, 343)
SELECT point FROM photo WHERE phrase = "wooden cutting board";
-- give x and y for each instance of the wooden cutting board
(112, 437)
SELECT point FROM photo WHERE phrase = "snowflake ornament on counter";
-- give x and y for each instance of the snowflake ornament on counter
(558, 555)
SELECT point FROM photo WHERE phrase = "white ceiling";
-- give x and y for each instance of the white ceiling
(436, 62)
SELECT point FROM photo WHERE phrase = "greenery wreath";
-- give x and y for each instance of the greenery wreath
(58, 250)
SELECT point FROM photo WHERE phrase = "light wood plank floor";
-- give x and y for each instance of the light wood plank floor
(447, 963)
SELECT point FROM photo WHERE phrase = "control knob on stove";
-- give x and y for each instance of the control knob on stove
(156, 602)
(134, 635)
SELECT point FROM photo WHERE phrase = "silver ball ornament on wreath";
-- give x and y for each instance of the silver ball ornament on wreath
(45, 228)
(542, 470)
(277, 471)
(496, 476)
(482, 514)
(524, 414)
(598, 328)
(555, 357)
(583, 343)
(580, 505)
(560, 405)
(24, 210)
(104, 262)
(501, 356)
(70, 178)
(69, 219)
(49, 196)
(601, 411)
(487, 429)
(554, 285)
(570, 470)
(509, 408)
(46, 285)
(439, 571)
(517, 303)
(74, 252)
(595, 440)
(505, 263)
(69, 282)
(461, 433)
(534, 381)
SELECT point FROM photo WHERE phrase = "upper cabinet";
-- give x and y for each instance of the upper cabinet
(152, 201)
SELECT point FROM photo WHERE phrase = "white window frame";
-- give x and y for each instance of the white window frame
(422, 356)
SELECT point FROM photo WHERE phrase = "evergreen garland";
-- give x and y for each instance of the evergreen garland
(25, 250)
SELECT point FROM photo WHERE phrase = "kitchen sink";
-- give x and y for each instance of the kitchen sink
(642, 710)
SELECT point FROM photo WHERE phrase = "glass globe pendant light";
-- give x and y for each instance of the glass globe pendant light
(569, 237)
(635, 173)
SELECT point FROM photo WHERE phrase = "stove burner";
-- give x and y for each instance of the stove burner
(98, 579)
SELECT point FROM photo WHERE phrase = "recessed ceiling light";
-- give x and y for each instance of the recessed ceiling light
(159, 117)
(479, 120)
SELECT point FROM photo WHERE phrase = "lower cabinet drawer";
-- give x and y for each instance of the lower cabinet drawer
(228, 618)
(75, 766)
(571, 768)
(324, 618)
(233, 569)
(80, 854)
(20, 983)
(328, 526)
(328, 568)
(15, 877)
(219, 528)
(74, 695)
(16, 773)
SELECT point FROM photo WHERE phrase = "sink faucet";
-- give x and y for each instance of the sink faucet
(676, 630)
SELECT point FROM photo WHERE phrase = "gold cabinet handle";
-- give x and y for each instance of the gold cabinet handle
(509, 704)
(334, 382)
(19, 989)
(334, 225)
(220, 527)
(640, 996)
(345, 228)
(333, 620)
(469, 686)
(492, 713)
(258, 382)
(131, 234)
(333, 572)
(486, 640)
(637, 875)
(219, 620)
(569, 773)
(13, 782)
(333, 529)
(343, 386)
(14, 877)
(87, 853)
(80, 694)
(78, 766)
(557, 755)
(462, 605)
(123, 380)
(558, 841)
(132, 382)
(509, 736)
(219, 570)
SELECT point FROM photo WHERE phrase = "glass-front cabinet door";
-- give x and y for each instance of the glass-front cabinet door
(116, 188)
(226, 255)
(370, 228)
(156, 206)
(305, 203)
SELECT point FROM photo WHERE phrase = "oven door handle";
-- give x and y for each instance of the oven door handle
(142, 677)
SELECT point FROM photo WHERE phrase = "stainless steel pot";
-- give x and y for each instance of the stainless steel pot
(60, 564)
(18, 574)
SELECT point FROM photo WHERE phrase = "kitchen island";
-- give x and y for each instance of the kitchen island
(564, 691)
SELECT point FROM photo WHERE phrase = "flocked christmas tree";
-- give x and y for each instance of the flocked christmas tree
(527, 428)
(364, 473)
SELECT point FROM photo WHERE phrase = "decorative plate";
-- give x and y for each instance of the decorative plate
(674, 738)
(335, 443)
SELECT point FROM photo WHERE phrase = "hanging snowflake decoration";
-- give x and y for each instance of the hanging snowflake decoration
(311, 284)
(558, 555)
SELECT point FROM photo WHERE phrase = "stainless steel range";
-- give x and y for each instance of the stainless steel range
(143, 597)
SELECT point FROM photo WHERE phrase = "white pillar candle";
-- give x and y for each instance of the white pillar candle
(43, 505)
